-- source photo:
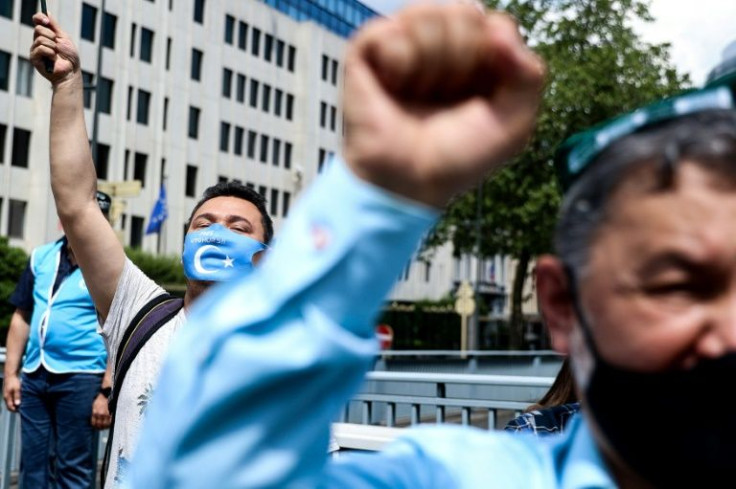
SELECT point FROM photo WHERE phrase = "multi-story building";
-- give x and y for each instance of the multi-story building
(190, 92)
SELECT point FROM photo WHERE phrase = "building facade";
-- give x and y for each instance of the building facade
(191, 92)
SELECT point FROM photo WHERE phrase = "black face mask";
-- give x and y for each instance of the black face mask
(669, 427)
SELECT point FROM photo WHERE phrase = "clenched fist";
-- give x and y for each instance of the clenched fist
(437, 97)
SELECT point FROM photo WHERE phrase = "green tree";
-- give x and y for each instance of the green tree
(598, 67)
(12, 262)
(165, 270)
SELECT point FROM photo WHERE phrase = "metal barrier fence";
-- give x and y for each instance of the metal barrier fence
(386, 401)
(408, 398)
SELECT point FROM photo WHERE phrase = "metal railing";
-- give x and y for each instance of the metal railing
(387, 401)
(409, 398)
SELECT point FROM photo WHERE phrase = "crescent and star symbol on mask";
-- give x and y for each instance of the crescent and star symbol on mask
(228, 262)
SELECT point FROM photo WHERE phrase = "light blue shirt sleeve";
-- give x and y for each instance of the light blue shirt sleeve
(252, 383)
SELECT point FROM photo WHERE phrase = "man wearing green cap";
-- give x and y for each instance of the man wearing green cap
(54, 373)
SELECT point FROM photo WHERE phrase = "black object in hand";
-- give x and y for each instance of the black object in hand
(47, 63)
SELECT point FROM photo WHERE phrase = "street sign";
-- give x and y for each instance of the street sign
(465, 303)
(385, 335)
(123, 188)
(464, 306)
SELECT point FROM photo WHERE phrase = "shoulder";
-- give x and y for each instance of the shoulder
(43, 251)
(473, 455)
(544, 421)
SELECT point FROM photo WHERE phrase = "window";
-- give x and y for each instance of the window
(144, 99)
(3, 134)
(264, 148)
(321, 160)
(255, 43)
(251, 144)
(240, 89)
(227, 82)
(168, 53)
(292, 57)
(280, 46)
(21, 145)
(4, 70)
(191, 183)
(278, 95)
(126, 164)
(199, 11)
(276, 152)
(253, 93)
(285, 204)
(24, 78)
(16, 218)
(229, 29)
(289, 106)
(6, 8)
(266, 99)
(333, 117)
(88, 80)
(325, 66)
(163, 169)
(224, 137)
(164, 123)
(268, 47)
(132, 40)
(334, 72)
(242, 35)
(105, 95)
(139, 167)
(146, 44)
(193, 122)
(196, 72)
(102, 161)
(130, 102)
(239, 134)
(274, 202)
(287, 155)
(109, 29)
(89, 21)
(27, 9)
(322, 114)
(136, 231)
(262, 190)
(427, 270)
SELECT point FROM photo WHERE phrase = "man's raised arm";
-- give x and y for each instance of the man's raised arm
(73, 178)
(435, 98)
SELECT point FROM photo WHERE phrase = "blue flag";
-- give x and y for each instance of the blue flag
(159, 213)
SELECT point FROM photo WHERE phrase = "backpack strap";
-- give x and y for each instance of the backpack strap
(157, 312)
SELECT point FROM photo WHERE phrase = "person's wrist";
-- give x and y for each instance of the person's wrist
(71, 81)
(105, 391)
(10, 374)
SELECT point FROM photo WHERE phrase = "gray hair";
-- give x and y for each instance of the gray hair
(706, 138)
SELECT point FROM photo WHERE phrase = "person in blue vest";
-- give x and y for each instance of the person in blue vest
(55, 369)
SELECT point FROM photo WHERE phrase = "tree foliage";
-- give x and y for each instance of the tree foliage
(165, 270)
(598, 67)
(12, 262)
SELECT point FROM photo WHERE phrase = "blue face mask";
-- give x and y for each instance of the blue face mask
(216, 254)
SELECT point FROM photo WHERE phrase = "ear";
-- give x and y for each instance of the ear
(555, 301)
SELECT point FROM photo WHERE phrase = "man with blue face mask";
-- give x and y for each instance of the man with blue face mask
(227, 232)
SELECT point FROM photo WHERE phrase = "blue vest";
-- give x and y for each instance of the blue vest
(64, 334)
